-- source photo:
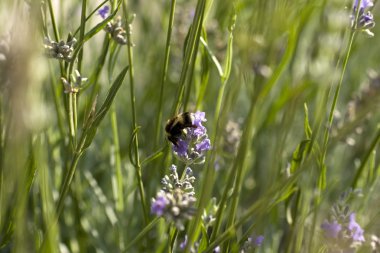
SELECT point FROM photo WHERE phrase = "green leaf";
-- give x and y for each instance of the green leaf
(306, 123)
(212, 57)
(204, 241)
(299, 154)
(229, 54)
(93, 121)
(322, 178)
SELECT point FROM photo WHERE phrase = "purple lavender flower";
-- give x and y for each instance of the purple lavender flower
(193, 144)
(252, 242)
(103, 12)
(363, 4)
(259, 241)
(199, 117)
(183, 244)
(355, 229)
(159, 204)
(331, 229)
(176, 200)
(181, 148)
(343, 234)
(203, 145)
(365, 20)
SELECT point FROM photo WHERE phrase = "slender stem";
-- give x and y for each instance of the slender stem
(54, 88)
(134, 121)
(164, 72)
(81, 34)
(141, 235)
(67, 182)
(173, 233)
(365, 159)
(335, 99)
(119, 195)
(56, 34)
(118, 185)
(71, 119)
(95, 75)
(189, 51)
(62, 196)
(75, 115)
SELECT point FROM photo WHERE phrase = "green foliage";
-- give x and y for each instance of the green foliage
(292, 107)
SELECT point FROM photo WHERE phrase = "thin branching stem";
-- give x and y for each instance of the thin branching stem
(164, 73)
(134, 120)
(55, 29)
(81, 33)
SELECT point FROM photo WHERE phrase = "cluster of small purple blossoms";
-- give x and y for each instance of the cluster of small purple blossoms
(252, 243)
(194, 143)
(342, 232)
(175, 201)
(103, 12)
(60, 50)
(365, 20)
(114, 27)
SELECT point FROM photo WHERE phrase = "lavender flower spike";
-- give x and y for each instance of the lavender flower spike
(175, 201)
(194, 142)
(365, 19)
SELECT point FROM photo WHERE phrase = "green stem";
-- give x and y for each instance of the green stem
(56, 34)
(333, 105)
(164, 73)
(81, 34)
(75, 115)
(137, 164)
(71, 119)
(173, 233)
(67, 182)
(365, 159)
(54, 88)
(148, 227)
(99, 66)
(119, 195)
(189, 51)
(192, 63)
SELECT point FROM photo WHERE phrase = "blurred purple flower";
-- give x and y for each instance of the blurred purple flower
(203, 145)
(259, 241)
(331, 229)
(252, 242)
(355, 229)
(181, 148)
(217, 249)
(159, 205)
(103, 12)
(365, 20)
(363, 4)
(183, 244)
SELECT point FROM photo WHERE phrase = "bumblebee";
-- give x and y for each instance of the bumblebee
(175, 126)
